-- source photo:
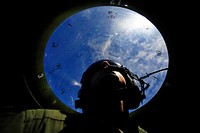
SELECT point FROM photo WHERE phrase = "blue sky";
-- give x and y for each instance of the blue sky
(103, 32)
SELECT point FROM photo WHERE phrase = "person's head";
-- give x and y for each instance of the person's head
(108, 90)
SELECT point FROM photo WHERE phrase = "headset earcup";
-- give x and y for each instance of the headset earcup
(133, 97)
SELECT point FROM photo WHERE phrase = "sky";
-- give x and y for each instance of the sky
(103, 32)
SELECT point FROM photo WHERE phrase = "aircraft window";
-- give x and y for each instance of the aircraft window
(102, 32)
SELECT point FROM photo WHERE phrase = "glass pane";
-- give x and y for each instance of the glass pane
(103, 32)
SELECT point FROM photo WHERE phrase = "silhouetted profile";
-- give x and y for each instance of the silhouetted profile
(106, 95)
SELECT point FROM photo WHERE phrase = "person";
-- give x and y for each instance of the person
(107, 93)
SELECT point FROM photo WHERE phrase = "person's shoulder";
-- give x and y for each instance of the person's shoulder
(44, 113)
(43, 120)
(141, 130)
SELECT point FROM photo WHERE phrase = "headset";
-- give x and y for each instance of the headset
(132, 94)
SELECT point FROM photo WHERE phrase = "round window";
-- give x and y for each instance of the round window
(76, 40)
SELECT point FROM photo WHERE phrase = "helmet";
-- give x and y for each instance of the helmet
(99, 80)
